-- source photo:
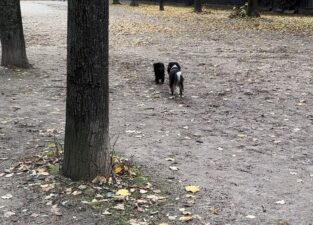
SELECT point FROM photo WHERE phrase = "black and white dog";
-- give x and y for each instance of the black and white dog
(159, 72)
(176, 78)
(170, 65)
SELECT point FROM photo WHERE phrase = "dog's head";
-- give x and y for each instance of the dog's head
(171, 65)
(158, 66)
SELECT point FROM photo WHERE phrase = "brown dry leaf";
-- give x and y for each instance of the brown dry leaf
(47, 187)
(99, 180)
(192, 188)
(119, 207)
(185, 219)
(75, 193)
(214, 210)
(55, 210)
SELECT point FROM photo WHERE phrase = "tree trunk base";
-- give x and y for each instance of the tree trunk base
(13, 53)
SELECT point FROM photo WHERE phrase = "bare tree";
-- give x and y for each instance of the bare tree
(134, 3)
(86, 147)
(198, 6)
(253, 8)
(11, 34)
(161, 2)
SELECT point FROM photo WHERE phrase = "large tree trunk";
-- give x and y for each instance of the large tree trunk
(198, 6)
(87, 147)
(161, 5)
(253, 8)
(116, 2)
(133, 3)
(11, 34)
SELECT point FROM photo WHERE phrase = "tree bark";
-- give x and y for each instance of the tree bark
(198, 6)
(116, 2)
(253, 8)
(87, 147)
(133, 3)
(12, 36)
(161, 5)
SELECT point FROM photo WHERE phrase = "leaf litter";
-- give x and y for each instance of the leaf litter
(126, 191)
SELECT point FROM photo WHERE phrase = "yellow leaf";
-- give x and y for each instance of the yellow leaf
(192, 189)
(123, 192)
(118, 169)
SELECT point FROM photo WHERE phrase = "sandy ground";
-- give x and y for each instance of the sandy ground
(242, 131)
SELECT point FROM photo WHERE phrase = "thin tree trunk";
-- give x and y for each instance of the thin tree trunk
(86, 147)
(198, 6)
(11, 34)
(253, 8)
(133, 3)
(161, 5)
(116, 2)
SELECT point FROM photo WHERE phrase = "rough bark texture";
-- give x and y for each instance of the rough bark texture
(11, 34)
(161, 5)
(252, 10)
(133, 3)
(198, 5)
(86, 148)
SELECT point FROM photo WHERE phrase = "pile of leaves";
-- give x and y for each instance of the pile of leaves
(127, 195)
(218, 20)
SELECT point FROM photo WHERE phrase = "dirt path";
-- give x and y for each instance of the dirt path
(242, 132)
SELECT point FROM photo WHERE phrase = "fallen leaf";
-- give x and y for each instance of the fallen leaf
(82, 187)
(185, 218)
(9, 175)
(174, 168)
(119, 207)
(192, 189)
(123, 192)
(99, 180)
(281, 202)
(250, 216)
(55, 210)
(8, 214)
(142, 191)
(118, 169)
(75, 193)
(106, 212)
(170, 159)
(214, 210)
(7, 196)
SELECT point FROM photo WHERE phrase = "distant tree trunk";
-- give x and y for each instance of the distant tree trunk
(11, 34)
(190, 3)
(198, 6)
(116, 2)
(86, 147)
(134, 3)
(253, 8)
(162, 5)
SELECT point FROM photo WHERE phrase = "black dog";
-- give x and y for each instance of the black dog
(176, 79)
(171, 64)
(159, 72)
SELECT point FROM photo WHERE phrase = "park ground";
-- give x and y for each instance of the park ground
(242, 132)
